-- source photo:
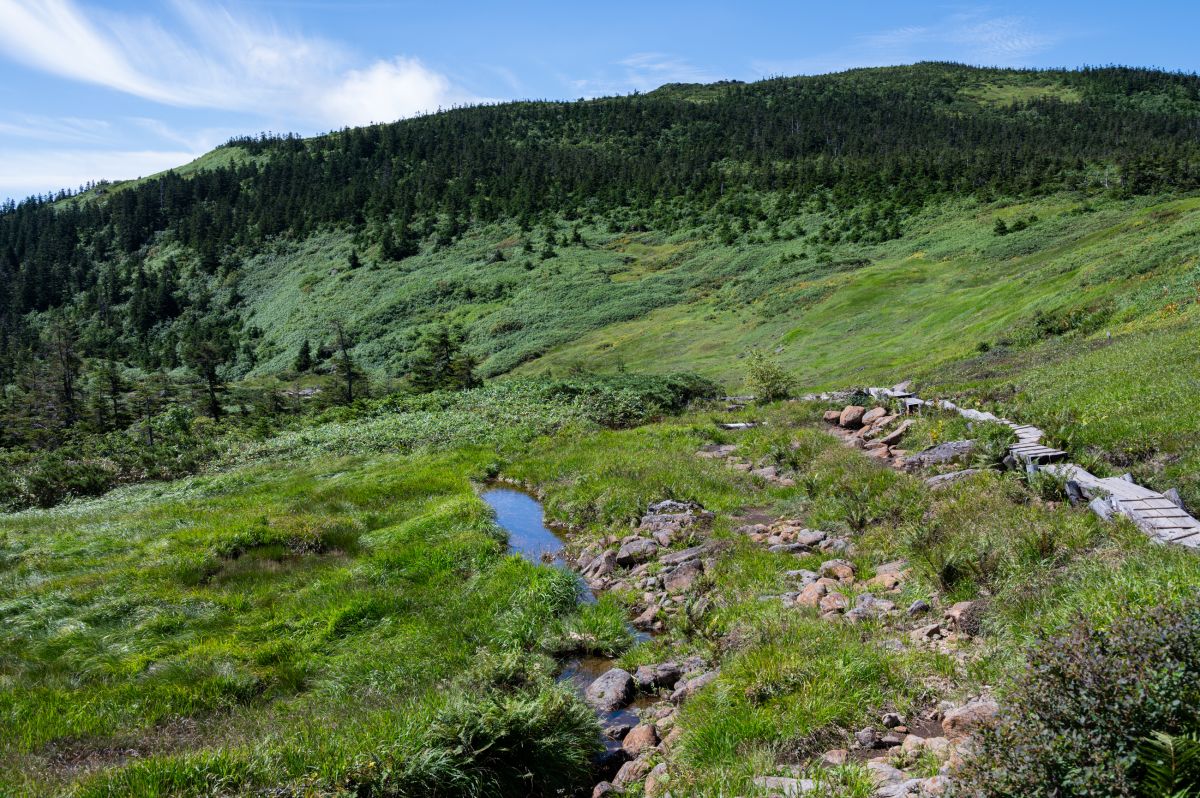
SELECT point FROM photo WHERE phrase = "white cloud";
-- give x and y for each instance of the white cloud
(214, 59)
(27, 172)
(387, 90)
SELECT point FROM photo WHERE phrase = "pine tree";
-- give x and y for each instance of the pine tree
(304, 361)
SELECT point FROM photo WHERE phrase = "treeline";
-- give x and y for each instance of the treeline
(147, 275)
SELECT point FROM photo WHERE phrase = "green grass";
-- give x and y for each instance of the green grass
(260, 600)
(341, 617)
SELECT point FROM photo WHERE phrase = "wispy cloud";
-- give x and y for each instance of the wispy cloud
(212, 58)
(972, 37)
(642, 72)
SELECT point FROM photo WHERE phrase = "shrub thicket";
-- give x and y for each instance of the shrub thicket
(1088, 700)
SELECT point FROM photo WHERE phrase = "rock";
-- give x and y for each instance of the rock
(834, 602)
(692, 686)
(835, 757)
(810, 537)
(1102, 507)
(641, 737)
(882, 774)
(666, 673)
(671, 739)
(648, 618)
(851, 416)
(918, 607)
(811, 595)
(603, 789)
(656, 781)
(872, 415)
(643, 677)
(787, 787)
(895, 435)
(886, 581)
(635, 551)
(617, 729)
(766, 472)
(958, 723)
(891, 720)
(671, 506)
(683, 576)
(631, 773)
(841, 570)
(965, 617)
(943, 453)
(1173, 496)
(789, 548)
(866, 738)
(602, 565)
(611, 691)
(833, 416)
(892, 739)
(953, 476)
(925, 633)
(683, 555)
(716, 451)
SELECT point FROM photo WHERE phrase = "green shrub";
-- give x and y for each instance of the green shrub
(1073, 723)
(766, 378)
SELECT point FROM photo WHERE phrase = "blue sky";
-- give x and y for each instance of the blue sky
(109, 89)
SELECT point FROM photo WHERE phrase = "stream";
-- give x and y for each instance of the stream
(521, 515)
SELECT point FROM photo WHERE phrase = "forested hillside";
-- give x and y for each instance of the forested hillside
(680, 227)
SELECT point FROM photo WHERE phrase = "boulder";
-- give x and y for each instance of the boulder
(961, 722)
(943, 453)
(603, 789)
(883, 774)
(602, 565)
(873, 415)
(692, 686)
(965, 617)
(611, 691)
(867, 738)
(656, 781)
(835, 757)
(851, 416)
(834, 602)
(895, 435)
(918, 607)
(811, 595)
(683, 576)
(631, 772)
(641, 737)
(683, 555)
(841, 570)
(635, 551)
(833, 416)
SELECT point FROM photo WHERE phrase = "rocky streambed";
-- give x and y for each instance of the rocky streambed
(636, 710)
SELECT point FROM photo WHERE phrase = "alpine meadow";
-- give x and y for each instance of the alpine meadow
(832, 435)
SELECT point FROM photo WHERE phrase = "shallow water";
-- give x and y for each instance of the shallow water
(521, 516)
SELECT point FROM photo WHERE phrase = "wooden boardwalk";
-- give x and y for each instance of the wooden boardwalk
(1154, 513)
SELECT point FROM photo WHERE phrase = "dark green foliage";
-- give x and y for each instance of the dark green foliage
(304, 361)
(1074, 722)
(1169, 765)
(440, 363)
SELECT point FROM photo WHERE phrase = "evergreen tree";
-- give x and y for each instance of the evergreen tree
(304, 361)
(440, 362)
(348, 373)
